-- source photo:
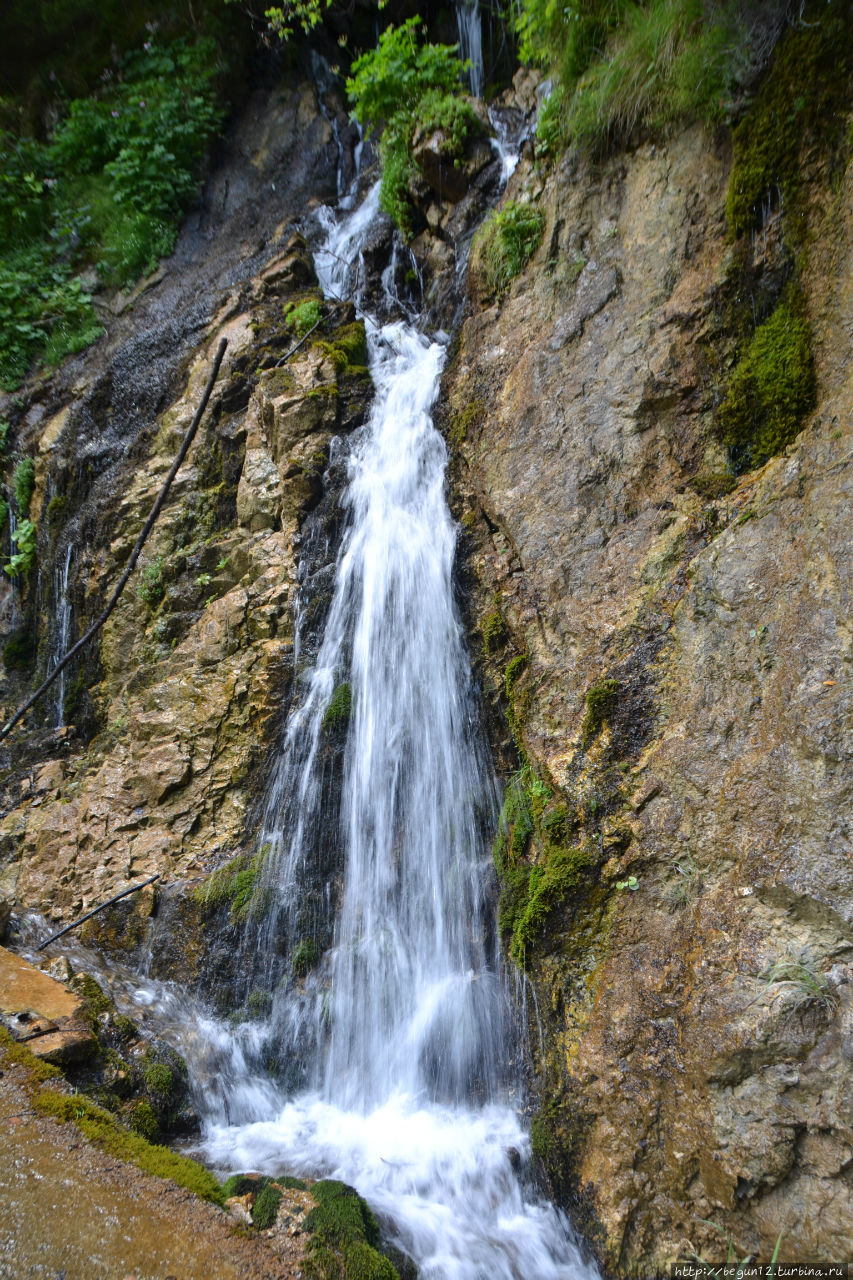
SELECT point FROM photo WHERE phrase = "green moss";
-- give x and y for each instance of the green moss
(465, 421)
(158, 1079)
(772, 387)
(503, 246)
(305, 956)
(143, 1121)
(19, 1055)
(600, 703)
(151, 586)
(714, 484)
(513, 672)
(344, 1237)
(101, 1128)
(800, 106)
(238, 1185)
(233, 884)
(265, 1208)
(347, 349)
(495, 631)
(56, 507)
(302, 317)
(337, 713)
(292, 1184)
(548, 885)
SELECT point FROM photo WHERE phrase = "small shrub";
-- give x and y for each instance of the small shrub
(22, 561)
(23, 483)
(503, 246)
(404, 84)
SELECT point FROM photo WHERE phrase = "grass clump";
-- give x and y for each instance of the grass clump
(810, 988)
(265, 1208)
(405, 85)
(620, 66)
(101, 1128)
(772, 387)
(601, 702)
(344, 1243)
(503, 246)
(338, 712)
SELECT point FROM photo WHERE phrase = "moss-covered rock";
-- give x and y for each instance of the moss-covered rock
(344, 1237)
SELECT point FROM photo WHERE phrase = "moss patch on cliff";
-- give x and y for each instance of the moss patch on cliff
(232, 885)
(338, 712)
(799, 108)
(772, 387)
(344, 1242)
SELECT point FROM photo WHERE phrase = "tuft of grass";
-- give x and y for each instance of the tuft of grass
(100, 1127)
(503, 246)
(233, 884)
(810, 987)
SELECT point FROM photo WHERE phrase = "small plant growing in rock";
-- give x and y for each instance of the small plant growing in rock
(800, 976)
(688, 886)
(504, 244)
(23, 483)
(22, 560)
(151, 587)
(337, 713)
(600, 705)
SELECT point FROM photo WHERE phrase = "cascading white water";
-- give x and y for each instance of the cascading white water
(402, 1030)
(470, 26)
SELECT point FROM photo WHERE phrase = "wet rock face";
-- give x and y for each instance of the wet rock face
(184, 694)
(674, 659)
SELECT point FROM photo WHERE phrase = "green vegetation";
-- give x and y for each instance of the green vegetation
(23, 559)
(503, 246)
(232, 884)
(809, 987)
(601, 700)
(265, 1208)
(107, 190)
(338, 712)
(19, 652)
(100, 1127)
(621, 65)
(302, 317)
(494, 629)
(407, 85)
(772, 387)
(800, 106)
(537, 866)
(344, 1242)
(714, 484)
(151, 587)
(23, 483)
(305, 956)
(347, 350)
(158, 1079)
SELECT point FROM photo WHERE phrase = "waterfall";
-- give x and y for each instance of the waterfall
(470, 27)
(408, 1069)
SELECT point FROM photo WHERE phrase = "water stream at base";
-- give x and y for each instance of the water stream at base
(404, 1030)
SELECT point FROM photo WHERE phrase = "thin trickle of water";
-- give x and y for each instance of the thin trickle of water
(407, 1061)
(62, 635)
(470, 26)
